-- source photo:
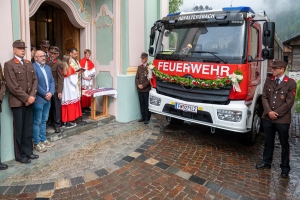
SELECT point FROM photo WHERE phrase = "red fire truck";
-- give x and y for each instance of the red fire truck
(209, 67)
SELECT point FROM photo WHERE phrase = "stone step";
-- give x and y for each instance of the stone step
(84, 125)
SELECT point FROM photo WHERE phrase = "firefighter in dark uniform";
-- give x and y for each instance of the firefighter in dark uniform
(57, 72)
(45, 48)
(143, 87)
(21, 82)
(277, 99)
(2, 94)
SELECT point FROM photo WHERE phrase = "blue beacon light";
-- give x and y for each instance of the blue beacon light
(173, 14)
(240, 8)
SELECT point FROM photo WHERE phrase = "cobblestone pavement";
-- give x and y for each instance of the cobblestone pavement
(155, 161)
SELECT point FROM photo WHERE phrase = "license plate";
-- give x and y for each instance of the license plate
(186, 108)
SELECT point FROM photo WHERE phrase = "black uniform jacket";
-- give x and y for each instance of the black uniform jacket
(279, 99)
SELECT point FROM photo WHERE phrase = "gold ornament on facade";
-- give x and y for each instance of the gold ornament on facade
(104, 12)
(82, 8)
(81, 5)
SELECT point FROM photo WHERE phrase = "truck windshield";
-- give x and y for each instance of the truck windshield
(204, 42)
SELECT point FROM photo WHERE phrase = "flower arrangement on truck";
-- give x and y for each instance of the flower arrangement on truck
(209, 67)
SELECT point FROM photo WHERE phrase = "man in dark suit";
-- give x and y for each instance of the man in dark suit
(41, 106)
(22, 84)
(57, 72)
(2, 93)
(143, 87)
(277, 99)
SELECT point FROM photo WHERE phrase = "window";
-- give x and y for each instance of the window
(254, 43)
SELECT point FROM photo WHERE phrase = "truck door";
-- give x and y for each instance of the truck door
(254, 65)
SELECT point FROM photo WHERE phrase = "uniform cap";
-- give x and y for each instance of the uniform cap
(54, 49)
(278, 63)
(144, 55)
(19, 44)
(45, 43)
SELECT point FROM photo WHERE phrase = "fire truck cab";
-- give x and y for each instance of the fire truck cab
(210, 67)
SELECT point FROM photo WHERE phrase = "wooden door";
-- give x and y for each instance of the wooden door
(70, 35)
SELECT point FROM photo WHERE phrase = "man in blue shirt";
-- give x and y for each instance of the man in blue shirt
(41, 106)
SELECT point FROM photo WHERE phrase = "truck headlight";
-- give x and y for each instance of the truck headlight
(230, 115)
(155, 100)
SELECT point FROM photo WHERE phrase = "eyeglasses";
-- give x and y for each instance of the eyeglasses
(274, 68)
(40, 56)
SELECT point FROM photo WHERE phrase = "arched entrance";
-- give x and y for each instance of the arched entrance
(50, 22)
(60, 23)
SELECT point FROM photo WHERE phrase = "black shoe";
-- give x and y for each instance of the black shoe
(70, 125)
(3, 166)
(33, 156)
(141, 120)
(24, 160)
(284, 174)
(146, 122)
(57, 129)
(263, 166)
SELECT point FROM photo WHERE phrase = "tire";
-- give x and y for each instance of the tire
(174, 121)
(255, 128)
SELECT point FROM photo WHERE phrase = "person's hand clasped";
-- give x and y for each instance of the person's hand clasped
(273, 115)
(30, 100)
(140, 86)
(48, 96)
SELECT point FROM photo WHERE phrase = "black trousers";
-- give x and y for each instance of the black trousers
(144, 98)
(23, 123)
(270, 129)
(55, 110)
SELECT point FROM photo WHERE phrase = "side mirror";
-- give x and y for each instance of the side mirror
(151, 50)
(268, 34)
(268, 53)
(152, 36)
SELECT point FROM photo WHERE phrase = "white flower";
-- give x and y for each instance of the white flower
(239, 77)
(234, 79)
(150, 66)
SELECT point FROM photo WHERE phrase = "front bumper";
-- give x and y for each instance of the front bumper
(206, 115)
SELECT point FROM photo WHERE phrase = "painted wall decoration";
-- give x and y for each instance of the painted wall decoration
(105, 17)
(85, 8)
(104, 24)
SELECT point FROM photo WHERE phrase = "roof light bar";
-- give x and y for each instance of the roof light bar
(173, 14)
(240, 8)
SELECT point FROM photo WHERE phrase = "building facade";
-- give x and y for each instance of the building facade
(116, 31)
(292, 52)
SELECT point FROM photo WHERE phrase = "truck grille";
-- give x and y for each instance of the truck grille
(211, 96)
(200, 115)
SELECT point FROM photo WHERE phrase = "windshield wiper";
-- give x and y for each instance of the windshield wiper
(212, 53)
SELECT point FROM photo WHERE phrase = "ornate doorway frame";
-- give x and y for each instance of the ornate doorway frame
(73, 14)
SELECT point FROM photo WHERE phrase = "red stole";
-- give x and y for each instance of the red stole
(90, 64)
(70, 71)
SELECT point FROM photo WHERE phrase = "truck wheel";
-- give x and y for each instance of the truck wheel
(173, 120)
(256, 126)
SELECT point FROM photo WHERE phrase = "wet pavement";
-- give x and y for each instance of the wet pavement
(112, 160)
